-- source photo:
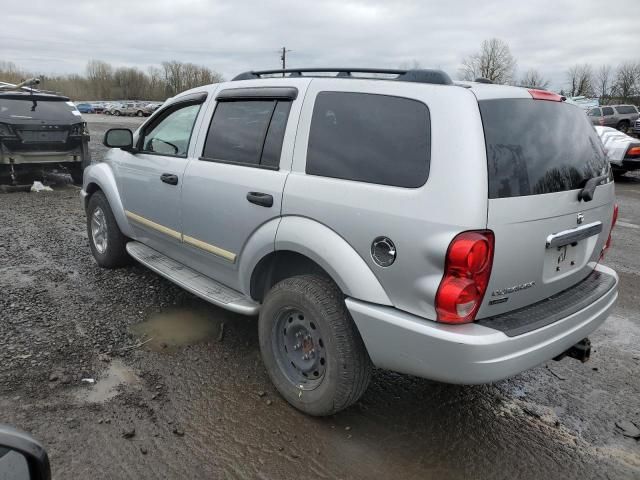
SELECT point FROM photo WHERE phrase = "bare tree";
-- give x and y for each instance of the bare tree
(100, 76)
(627, 82)
(580, 80)
(494, 61)
(603, 81)
(533, 79)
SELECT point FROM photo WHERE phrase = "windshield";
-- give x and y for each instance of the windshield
(37, 109)
(536, 147)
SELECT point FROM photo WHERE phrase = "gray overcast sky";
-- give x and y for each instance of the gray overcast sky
(230, 36)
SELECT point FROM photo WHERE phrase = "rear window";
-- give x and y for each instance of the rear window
(38, 109)
(370, 138)
(536, 147)
(624, 109)
(595, 112)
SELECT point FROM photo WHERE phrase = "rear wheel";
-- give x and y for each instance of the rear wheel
(139, 113)
(76, 171)
(107, 242)
(310, 346)
(117, 113)
(623, 126)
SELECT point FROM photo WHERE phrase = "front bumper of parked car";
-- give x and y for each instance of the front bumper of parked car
(470, 353)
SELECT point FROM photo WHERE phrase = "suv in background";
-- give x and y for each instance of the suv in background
(129, 108)
(621, 117)
(362, 229)
(41, 131)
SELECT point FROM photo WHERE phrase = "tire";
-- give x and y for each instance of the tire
(315, 318)
(112, 253)
(139, 113)
(117, 113)
(623, 126)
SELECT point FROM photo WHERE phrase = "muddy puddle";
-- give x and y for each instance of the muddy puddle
(172, 329)
(110, 384)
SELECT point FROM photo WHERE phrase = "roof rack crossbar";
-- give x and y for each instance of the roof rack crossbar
(417, 75)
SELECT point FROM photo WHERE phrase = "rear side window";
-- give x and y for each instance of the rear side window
(370, 138)
(607, 111)
(247, 132)
(536, 147)
(625, 109)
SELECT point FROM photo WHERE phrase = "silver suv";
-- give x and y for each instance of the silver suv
(450, 231)
(621, 117)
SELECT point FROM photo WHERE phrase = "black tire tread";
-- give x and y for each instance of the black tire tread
(355, 372)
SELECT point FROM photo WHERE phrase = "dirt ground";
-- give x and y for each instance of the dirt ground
(180, 390)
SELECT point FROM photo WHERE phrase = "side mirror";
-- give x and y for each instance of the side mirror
(21, 457)
(118, 138)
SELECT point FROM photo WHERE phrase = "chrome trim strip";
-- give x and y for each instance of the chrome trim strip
(567, 237)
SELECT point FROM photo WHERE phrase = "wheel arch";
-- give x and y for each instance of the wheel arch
(304, 246)
(99, 177)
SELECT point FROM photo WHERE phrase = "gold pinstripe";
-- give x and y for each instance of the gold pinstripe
(207, 247)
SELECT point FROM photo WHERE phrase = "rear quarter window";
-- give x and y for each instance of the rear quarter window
(536, 147)
(607, 111)
(625, 109)
(370, 138)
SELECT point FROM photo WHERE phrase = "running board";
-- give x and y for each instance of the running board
(192, 281)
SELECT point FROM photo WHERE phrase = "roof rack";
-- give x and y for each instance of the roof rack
(418, 75)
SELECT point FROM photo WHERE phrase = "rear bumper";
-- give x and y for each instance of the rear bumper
(470, 353)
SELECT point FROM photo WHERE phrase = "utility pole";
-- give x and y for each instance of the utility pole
(283, 57)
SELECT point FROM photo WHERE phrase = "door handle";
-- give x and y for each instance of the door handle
(259, 198)
(169, 178)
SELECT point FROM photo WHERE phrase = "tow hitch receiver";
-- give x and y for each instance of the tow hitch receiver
(580, 351)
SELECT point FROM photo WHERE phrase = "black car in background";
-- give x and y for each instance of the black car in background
(41, 131)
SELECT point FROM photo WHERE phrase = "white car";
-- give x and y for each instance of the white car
(622, 150)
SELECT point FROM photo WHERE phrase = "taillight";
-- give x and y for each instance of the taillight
(466, 276)
(614, 219)
(79, 129)
(633, 152)
(601, 121)
(544, 95)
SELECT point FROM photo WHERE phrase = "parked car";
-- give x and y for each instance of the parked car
(40, 131)
(85, 108)
(363, 230)
(623, 151)
(149, 108)
(620, 117)
(97, 107)
(129, 108)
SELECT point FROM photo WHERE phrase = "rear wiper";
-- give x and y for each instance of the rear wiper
(589, 189)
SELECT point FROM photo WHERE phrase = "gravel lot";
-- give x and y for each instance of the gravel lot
(180, 390)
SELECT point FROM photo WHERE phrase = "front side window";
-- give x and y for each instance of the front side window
(247, 132)
(607, 111)
(171, 135)
(370, 138)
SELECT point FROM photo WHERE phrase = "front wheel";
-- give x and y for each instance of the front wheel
(139, 113)
(107, 242)
(623, 127)
(311, 347)
(116, 113)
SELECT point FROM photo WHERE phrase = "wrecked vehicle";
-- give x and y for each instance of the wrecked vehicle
(350, 215)
(41, 131)
(622, 150)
